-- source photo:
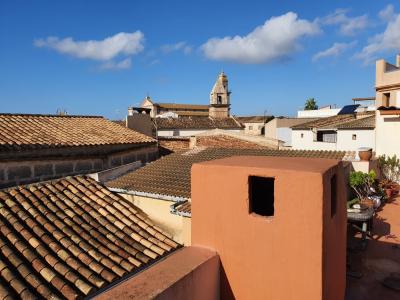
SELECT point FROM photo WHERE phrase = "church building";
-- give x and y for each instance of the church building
(177, 120)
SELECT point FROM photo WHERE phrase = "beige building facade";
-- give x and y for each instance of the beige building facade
(387, 87)
(387, 83)
(160, 212)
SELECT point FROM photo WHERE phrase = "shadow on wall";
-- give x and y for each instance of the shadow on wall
(226, 290)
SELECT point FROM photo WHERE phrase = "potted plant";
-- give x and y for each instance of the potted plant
(390, 170)
(362, 185)
(365, 153)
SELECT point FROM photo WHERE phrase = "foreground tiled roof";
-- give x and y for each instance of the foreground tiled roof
(170, 175)
(196, 123)
(70, 237)
(363, 123)
(22, 131)
(334, 122)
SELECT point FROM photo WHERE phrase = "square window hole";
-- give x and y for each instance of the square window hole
(261, 195)
(333, 195)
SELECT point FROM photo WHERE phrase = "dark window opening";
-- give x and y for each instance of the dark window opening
(333, 195)
(386, 99)
(354, 137)
(327, 136)
(219, 99)
(261, 195)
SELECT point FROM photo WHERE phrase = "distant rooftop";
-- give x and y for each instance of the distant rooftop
(196, 123)
(179, 106)
(170, 175)
(348, 121)
(253, 119)
(31, 131)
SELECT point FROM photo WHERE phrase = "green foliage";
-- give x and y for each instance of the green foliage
(351, 202)
(361, 183)
(390, 167)
(310, 104)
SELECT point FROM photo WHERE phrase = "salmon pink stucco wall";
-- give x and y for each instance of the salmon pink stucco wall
(299, 253)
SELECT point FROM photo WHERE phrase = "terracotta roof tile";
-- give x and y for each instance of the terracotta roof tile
(179, 106)
(64, 239)
(196, 123)
(363, 123)
(337, 121)
(182, 208)
(253, 119)
(170, 175)
(21, 131)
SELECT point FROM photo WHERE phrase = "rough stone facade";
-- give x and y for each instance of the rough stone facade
(220, 98)
(38, 169)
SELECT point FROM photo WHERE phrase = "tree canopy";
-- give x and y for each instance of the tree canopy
(310, 104)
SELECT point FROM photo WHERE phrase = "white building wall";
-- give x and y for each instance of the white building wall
(387, 134)
(364, 138)
(345, 142)
(318, 113)
(284, 134)
(307, 141)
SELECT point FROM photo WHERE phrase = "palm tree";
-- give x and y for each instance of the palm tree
(310, 104)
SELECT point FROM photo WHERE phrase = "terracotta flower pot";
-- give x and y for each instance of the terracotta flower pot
(365, 154)
(367, 202)
(389, 192)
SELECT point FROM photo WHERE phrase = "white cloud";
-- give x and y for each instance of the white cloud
(336, 50)
(387, 13)
(347, 25)
(181, 46)
(276, 39)
(122, 65)
(119, 44)
(389, 40)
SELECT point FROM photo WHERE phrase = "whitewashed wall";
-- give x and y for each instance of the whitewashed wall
(318, 113)
(284, 134)
(307, 141)
(387, 134)
(365, 138)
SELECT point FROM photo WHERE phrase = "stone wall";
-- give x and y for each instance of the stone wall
(34, 170)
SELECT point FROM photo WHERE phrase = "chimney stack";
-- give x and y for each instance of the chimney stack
(398, 60)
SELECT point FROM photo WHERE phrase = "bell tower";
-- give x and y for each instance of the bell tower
(219, 98)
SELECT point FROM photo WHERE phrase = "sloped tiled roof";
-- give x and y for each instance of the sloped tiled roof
(226, 141)
(363, 123)
(192, 113)
(253, 119)
(183, 208)
(170, 175)
(329, 122)
(334, 122)
(196, 123)
(70, 237)
(179, 106)
(24, 131)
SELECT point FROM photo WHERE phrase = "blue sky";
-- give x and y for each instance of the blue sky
(99, 57)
